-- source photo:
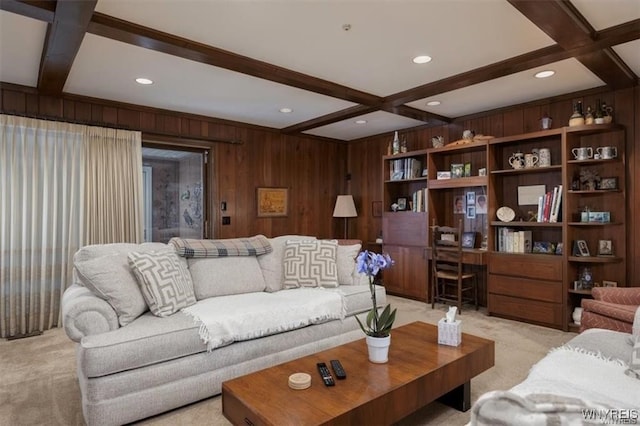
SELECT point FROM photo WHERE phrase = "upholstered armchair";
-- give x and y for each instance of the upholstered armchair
(613, 308)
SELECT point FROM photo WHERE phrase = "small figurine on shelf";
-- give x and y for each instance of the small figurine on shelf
(589, 179)
(545, 122)
(588, 119)
(403, 145)
(607, 113)
(598, 116)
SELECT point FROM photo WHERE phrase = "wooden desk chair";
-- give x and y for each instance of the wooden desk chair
(449, 283)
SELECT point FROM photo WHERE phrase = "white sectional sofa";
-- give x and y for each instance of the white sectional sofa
(133, 363)
(593, 379)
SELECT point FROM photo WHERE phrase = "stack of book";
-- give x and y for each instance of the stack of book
(512, 241)
(549, 205)
(420, 200)
(405, 168)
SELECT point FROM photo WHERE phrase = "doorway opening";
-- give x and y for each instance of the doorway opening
(174, 193)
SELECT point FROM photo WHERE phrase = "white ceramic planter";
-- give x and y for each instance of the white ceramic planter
(378, 349)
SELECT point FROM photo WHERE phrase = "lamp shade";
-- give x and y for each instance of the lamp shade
(345, 207)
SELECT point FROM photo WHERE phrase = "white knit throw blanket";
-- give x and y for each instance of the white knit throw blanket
(227, 319)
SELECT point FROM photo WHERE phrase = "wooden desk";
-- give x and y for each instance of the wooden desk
(469, 256)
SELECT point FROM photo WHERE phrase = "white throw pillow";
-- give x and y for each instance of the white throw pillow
(346, 259)
(310, 264)
(164, 280)
(271, 263)
(111, 279)
(220, 276)
(634, 362)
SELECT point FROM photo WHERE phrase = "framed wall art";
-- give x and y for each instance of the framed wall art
(272, 202)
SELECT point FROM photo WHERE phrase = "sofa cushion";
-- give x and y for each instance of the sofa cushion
(624, 313)
(310, 264)
(357, 298)
(252, 246)
(219, 276)
(165, 281)
(104, 269)
(346, 260)
(271, 263)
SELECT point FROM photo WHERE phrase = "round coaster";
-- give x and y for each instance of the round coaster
(299, 381)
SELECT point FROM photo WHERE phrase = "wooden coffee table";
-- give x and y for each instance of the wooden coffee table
(419, 371)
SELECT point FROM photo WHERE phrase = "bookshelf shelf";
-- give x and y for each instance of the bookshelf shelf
(564, 174)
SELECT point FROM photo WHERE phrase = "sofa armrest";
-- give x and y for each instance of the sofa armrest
(618, 295)
(84, 313)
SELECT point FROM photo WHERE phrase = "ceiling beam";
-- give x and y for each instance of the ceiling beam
(62, 42)
(40, 10)
(138, 35)
(417, 114)
(561, 21)
(334, 117)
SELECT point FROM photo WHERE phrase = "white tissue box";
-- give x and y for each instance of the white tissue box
(450, 333)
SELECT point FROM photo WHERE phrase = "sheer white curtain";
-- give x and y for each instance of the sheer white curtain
(62, 186)
(40, 229)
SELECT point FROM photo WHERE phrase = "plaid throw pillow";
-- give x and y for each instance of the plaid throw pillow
(253, 246)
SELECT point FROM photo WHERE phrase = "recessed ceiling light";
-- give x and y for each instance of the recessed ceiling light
(286, 110)
(422, 59)
(144, 80)
(545, 74)
(433, 103)
(361, 121)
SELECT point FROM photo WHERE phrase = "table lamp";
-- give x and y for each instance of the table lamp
(345, 207)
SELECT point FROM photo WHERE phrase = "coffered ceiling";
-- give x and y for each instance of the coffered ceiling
(333, 62)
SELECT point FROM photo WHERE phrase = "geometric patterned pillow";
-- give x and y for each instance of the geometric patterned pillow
(634, 363)
(164, 280)
(310, 264)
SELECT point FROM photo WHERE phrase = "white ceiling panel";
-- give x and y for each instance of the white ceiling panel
(570, 76)
(377, 122)
(21, 41)
(107, 69)
(630, 54)
(603, 14)
(373, 56)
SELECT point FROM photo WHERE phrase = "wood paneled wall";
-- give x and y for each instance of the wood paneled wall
(314, 170)
(365, 155)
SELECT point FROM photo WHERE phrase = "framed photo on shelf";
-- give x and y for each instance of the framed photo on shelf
(467, 169)
(471, 198)
(606, 283)
(458, 205)
(581, 248)
(471, 212)
(605, 248)
(457, 171)
(468, 239)
(402, 203)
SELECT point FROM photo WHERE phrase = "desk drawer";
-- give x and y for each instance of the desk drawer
(544, 267)
(548, 291)
(527, 310)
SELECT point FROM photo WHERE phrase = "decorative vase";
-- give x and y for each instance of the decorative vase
(378, 349)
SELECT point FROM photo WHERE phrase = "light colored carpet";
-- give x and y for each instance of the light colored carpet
(38, 384)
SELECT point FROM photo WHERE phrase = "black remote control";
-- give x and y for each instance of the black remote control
(325, 374)
(337, 369)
